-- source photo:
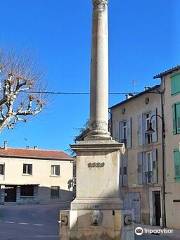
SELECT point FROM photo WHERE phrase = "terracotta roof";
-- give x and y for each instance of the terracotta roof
(169, 71)
(34, 153)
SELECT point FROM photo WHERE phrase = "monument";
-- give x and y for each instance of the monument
(96, 213)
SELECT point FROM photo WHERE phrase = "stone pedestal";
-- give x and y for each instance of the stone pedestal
(96, 213)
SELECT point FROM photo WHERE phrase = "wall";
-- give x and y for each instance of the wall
(41, 175)
(133, 108)
(172, 141)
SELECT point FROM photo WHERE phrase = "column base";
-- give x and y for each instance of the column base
(95, 225)
(96, 204)
(98, 135)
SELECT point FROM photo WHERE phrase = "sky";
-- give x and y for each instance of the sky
(144, 39)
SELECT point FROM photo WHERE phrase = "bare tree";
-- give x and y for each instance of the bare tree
(19, 84)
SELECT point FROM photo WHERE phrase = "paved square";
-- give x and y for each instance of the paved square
(29, 222)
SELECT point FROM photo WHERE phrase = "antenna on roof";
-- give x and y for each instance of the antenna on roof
(5, 144)
(134, 84)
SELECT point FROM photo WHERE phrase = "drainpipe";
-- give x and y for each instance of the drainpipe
(163, 165)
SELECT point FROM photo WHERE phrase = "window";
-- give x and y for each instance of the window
(55, 170)
(148, 137)
(177, 164)
(147, 168)
(55, 192)
(175, 84)
(27, 169)
(2, 167)
(27, 191)
(125, 132)
(124, 171)
(176, 118)
(144, 121)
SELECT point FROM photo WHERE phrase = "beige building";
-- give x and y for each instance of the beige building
(170, 81)
(35, 176)
(141, 166)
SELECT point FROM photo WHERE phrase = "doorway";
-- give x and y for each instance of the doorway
(132, 201)
(10, 193)
(157, 207)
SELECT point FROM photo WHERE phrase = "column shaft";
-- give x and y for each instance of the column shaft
(99, 69)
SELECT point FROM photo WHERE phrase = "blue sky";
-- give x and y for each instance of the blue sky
(144, 39)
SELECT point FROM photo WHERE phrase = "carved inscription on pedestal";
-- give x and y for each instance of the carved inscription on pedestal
(96, 165)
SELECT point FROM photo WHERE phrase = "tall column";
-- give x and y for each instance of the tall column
(96, 212)
(99, 71)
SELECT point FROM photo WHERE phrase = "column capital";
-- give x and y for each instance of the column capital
(100, 4)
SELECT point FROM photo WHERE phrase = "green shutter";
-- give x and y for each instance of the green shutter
(174, 118)
(175, 84)
(177, 165)
(178, 117)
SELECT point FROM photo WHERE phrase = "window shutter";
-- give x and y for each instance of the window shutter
(155, 166)
(121, 171)
(120, 131)
(140, 168)
(140, 130)
(177, 165)
(125, 175)
(175, 84)
(143, 129)
(178, 117)
(125, 179)
(145, 168)
(174, 118)
(115, 130)
(129, 133)
(57, 170)
(154, 126)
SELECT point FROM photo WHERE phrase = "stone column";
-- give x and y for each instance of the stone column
(99, 72)
(96, 212)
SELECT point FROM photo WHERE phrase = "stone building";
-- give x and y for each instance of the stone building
(142, 164)
(35, 176)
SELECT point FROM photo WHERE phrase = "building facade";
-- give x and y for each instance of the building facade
(142, 164)
(170, 81)
(35, 176)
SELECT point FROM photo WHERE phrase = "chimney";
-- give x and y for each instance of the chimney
(5, 144)
(129, 95)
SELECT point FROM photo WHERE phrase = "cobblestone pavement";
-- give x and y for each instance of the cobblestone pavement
(29, 222)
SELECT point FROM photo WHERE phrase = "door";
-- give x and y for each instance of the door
(157, 208)
(10, 193)
(132, 202)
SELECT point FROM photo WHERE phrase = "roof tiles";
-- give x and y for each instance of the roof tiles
(34, 153)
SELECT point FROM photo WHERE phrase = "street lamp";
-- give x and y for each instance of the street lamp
(150, 130)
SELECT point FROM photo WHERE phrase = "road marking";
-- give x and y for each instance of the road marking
(9, 222)
(38, 224)
(23, 223)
